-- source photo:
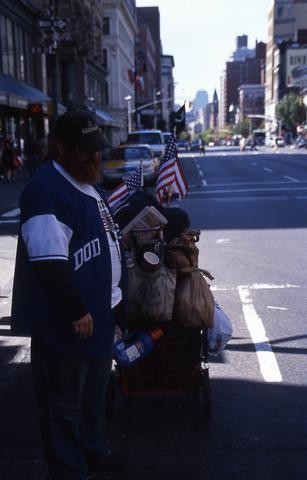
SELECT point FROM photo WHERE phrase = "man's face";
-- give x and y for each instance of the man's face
(83, 166)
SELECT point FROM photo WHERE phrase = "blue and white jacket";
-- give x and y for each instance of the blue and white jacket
(67, 227)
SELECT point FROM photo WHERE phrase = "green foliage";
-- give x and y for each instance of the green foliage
(291, 111)
(208, 135)
(242, 128)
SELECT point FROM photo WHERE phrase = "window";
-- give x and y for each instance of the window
(19, 53)
(10, 47)
(105, 58)
(280, 11)
(106, 26)
(4, 47)
(106, 93)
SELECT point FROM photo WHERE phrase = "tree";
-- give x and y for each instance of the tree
(242, 128)
(291, 111)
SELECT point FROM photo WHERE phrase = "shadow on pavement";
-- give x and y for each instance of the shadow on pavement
(256, 430)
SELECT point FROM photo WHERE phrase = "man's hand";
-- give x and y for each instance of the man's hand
(83, 327)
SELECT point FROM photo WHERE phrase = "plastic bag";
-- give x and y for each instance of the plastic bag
(221, 332)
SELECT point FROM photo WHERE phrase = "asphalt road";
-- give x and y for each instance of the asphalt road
(251, 209)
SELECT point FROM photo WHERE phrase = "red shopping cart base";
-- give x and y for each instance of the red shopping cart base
(177, 365)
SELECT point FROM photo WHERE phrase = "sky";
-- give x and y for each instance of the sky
(201, 35)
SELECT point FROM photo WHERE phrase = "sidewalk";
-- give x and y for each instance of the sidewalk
(21, 455)
(21, 452)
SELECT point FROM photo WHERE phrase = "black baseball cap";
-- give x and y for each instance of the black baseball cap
(79, 129)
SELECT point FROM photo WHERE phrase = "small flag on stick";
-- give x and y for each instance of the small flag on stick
(131, 185)
(171, 180)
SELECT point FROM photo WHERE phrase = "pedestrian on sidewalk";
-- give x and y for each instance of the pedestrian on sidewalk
(69, 290)
(33, 152)
(8, 158)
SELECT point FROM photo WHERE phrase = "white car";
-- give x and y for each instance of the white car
(153, 138)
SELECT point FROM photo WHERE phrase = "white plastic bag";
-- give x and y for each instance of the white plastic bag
(220, 333)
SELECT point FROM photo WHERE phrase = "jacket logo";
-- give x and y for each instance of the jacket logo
(86, 253)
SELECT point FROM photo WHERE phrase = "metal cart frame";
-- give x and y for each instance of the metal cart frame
(177, 365)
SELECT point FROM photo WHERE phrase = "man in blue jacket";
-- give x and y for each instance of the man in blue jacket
(68, 294)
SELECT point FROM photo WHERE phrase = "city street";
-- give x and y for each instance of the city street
(251, 208)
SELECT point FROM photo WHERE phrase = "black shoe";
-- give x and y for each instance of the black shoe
(113, 462)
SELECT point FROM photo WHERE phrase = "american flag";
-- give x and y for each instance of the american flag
(171, 179)
(132, 184)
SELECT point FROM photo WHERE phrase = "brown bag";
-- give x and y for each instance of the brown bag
(194, 302)
(182, 253)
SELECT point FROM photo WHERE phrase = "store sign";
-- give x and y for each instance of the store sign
(38, 108)
(16, 101)
(296, 67)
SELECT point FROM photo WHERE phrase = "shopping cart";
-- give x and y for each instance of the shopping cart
(177, 365)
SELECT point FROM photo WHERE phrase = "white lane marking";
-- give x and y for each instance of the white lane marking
(254, 164)
(9, 221)
(201, 173)
(291, 178)
(276, 308)
(222, 240)
(267, 361)
(246, 190)
(204, 182)
(11, 213)
(255, 286)
(267, 169)
(259, 198)
(263, 182)
(259, 286)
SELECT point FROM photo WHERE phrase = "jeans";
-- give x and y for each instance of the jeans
(70, 394)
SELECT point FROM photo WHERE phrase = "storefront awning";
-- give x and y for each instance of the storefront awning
(104, 118)
(20, 94)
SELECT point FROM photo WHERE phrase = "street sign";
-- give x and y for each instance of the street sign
(44, 23)
(56, 23)
(60, 23)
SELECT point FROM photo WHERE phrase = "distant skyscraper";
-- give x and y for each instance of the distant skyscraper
(242, 52)
(242, 41)
(200, 100)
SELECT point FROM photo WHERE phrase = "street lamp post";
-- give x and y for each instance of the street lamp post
(128, 98)
(305, 103)
(156, 94)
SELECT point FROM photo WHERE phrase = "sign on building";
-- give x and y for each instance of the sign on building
(296, 67)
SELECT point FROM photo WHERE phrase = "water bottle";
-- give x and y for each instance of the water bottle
(135, 346)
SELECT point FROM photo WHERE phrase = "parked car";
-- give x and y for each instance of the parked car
(166, 136)
(182, 145)
(125, 159)
(195, 145)
(154, 138)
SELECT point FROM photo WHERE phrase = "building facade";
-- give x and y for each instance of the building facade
(119, 33)
(236, 74)
(251, 103)
(168, 90)
(152, 116)
(23, 102)
(287, 21)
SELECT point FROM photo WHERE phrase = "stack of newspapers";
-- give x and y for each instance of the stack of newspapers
(149, 218)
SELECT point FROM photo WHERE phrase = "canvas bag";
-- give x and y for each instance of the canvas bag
(194, 302)
(151, 294)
